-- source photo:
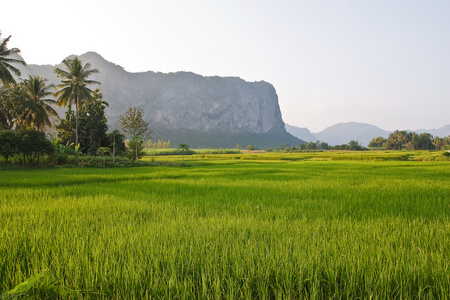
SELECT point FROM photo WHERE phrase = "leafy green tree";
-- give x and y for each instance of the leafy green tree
(73, 90)
(412, 141)
(92, 125)
(438, 143)
(134, 125)
(135, 147)
(66, 128)
(14, 103)
(324, 146)
(250, 147)
(39, 107)
(32, 144)
(301, 146)
(311, 146)
(377, 142)
(9, 143)
(425, 141)
(397, 140)
(117, 142)
(354, 145)
(446, 143)
(6, 62)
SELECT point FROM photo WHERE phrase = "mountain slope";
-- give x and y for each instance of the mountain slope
(188, 108)
(342, 133)
(301, 133)
(441, 132)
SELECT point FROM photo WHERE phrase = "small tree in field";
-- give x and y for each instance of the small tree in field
(135, 147)
(136, 127)
(184, 148)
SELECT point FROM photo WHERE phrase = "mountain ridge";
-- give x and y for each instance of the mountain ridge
(231, 108)
(344, 132)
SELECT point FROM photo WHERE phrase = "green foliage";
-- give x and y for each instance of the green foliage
(117, 142)
(9, 143)
(13, 105)
(38, 109)
(135, 147)
(160, 144)
(7, 62)
(24, 104)
(227, 228)
(324, 146)
(73, 89)
(104, 151)
(250, 147)
(33, 144)
(377, 142)
(66, 127)
(399, 140)
(133, 123)
(351, 146)
(183, 148)
(22, 288)
(311, 146)
(92, 125)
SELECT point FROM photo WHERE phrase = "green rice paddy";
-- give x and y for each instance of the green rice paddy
(254, 226)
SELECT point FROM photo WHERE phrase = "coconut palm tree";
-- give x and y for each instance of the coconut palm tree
(6, 62)
(73, 90)
(39, 109)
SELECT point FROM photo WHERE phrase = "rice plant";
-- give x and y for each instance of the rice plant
(229, 229)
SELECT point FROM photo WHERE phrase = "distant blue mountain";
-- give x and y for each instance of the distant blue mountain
(342, 133)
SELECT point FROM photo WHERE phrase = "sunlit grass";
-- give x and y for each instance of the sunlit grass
(230, 228)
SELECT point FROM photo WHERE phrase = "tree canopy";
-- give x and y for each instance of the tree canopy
(7, 60)
(73, 90)
(133, 123)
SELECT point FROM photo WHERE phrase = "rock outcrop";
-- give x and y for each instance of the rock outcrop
(227, 110)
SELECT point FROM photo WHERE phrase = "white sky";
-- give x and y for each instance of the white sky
(383, 62)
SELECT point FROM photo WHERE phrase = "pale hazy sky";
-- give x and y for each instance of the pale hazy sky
(383, 62)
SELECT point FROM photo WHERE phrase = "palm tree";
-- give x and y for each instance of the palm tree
(39, 109)
(5, 62)
(73, 90)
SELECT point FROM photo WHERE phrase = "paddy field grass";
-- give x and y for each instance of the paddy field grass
(229, 227)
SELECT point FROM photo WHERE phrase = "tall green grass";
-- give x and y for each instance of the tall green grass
(229, 229)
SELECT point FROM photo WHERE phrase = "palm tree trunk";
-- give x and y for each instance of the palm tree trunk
(76, 129)
(114, 148)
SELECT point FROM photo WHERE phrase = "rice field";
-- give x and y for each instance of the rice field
(223, 227)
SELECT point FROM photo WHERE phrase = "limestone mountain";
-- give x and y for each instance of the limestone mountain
(301, 133)
(341, 133)
(187, 108)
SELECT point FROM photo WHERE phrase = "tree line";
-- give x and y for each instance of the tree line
(399, 140)
(26, 111)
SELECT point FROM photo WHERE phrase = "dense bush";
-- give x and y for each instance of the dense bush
(31, 144)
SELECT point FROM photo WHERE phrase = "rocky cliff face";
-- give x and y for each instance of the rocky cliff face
(186, 101)
(189, 101)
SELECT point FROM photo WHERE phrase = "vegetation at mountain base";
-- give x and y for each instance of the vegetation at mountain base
(399, 140)
(73, 89)
(92, 125)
